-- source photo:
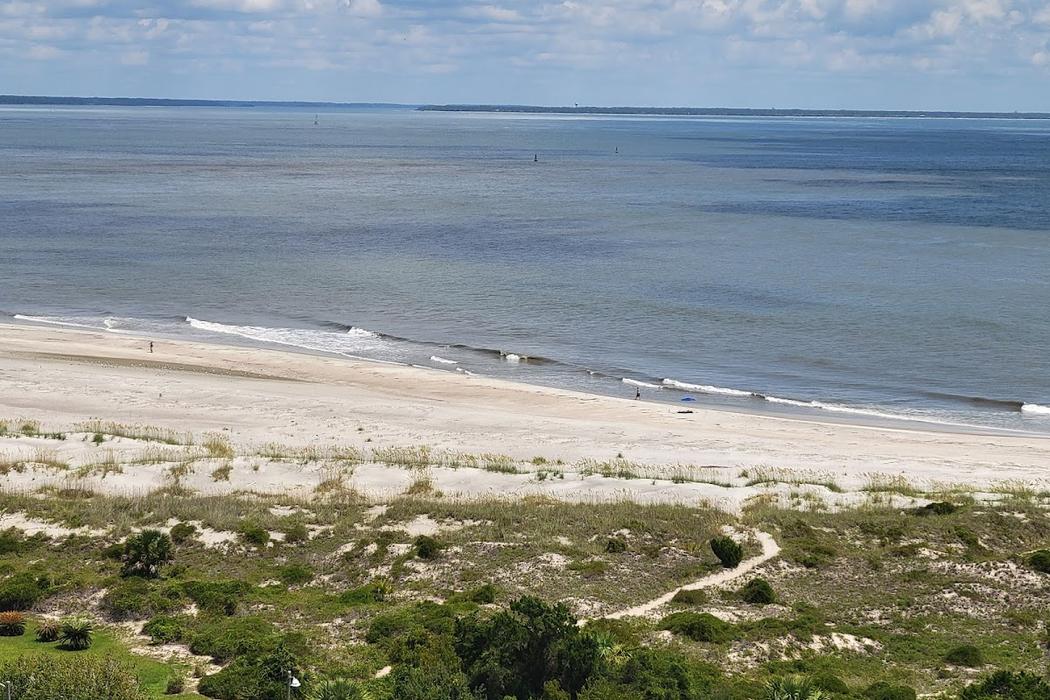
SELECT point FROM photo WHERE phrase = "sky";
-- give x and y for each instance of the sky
(860, 54)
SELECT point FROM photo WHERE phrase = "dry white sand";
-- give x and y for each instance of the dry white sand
(258, 396)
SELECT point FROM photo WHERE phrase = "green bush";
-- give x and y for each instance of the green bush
(22, 592)
(254, 534)
(758, 592)
(483, 595)
(217, 597)
(175, 686)
(700, 627)
(1040, 561)
(75, 633)
(261, 675)
(427, 547)
(182, 532)
(137, 598)
(830, 683)
(884, 691)
(616, 545)
(47, 631)
(49, 677)
(295, 574)
(793, 688)
(369, 593)
(165, 629)
(1004, 685)
(146, 552)
(691, 597)
(296, 532)
(226, 638)
(337, 689)
(12, 624)
(938, 508)
(966, 655)
(728, 551)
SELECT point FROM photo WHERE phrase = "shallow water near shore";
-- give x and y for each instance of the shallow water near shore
(866, 268)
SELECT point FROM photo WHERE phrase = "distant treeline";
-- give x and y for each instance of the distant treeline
(165, 102)
(731, 112)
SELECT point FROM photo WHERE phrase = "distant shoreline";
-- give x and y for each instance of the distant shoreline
(732, 112)
(46, 100)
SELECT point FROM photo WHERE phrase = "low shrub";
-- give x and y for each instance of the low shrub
(22, 591)
(12, 624)
(47, 676)
(1004, 684)
(965, 655)
(728, 551)
(1040, 561)
(75, 633)
(217, 597)
(758, 592)
(296, 532)
(295, 574)
(483, 595)
(693, 597)
(183, 532)
(427, 547)
(254, 534)
(176, 684)
(830, 683)
(226, 638)
(938, 508)
(47, 631)
(369, 593)
(884, 691)
(165, 629)
(616, 545)
(700, 627)
(138, 598)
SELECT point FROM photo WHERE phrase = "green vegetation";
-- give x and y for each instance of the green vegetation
(758, 592)
(12, 624)
(145, 552)
(1040, 561)
(728, 551)
(870, 603)
(75, 633)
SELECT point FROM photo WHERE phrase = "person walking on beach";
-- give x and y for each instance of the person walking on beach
(151, 347)
(637, 393)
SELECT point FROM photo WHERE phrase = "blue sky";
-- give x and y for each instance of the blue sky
(908, 54)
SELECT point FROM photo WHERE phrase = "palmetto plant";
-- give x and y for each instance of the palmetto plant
(12, 624)
(47, 631)
(75, 633)
(338, 689)
(793, 688)
(145, 552)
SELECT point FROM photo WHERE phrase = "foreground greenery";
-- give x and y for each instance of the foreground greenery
(877, 602)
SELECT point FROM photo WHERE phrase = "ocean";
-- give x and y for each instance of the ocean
(851, 269)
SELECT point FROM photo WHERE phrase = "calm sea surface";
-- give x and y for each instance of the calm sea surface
(835, 267)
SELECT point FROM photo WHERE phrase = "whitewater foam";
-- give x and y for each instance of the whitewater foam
(107, 323)
(442, 360)
(644, 385)
(706, 389)
(1035, 409)
(349, 342)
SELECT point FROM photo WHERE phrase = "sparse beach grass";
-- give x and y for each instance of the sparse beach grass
(145, 433)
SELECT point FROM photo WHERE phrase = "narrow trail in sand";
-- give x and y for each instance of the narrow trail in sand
(770, 549)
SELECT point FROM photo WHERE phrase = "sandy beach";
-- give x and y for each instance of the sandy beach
(259, 396)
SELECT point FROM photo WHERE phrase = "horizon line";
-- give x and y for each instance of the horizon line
(60, 100)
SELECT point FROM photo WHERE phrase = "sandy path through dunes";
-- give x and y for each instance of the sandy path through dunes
(770, 549)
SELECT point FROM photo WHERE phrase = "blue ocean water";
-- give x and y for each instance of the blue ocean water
(852, 268)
